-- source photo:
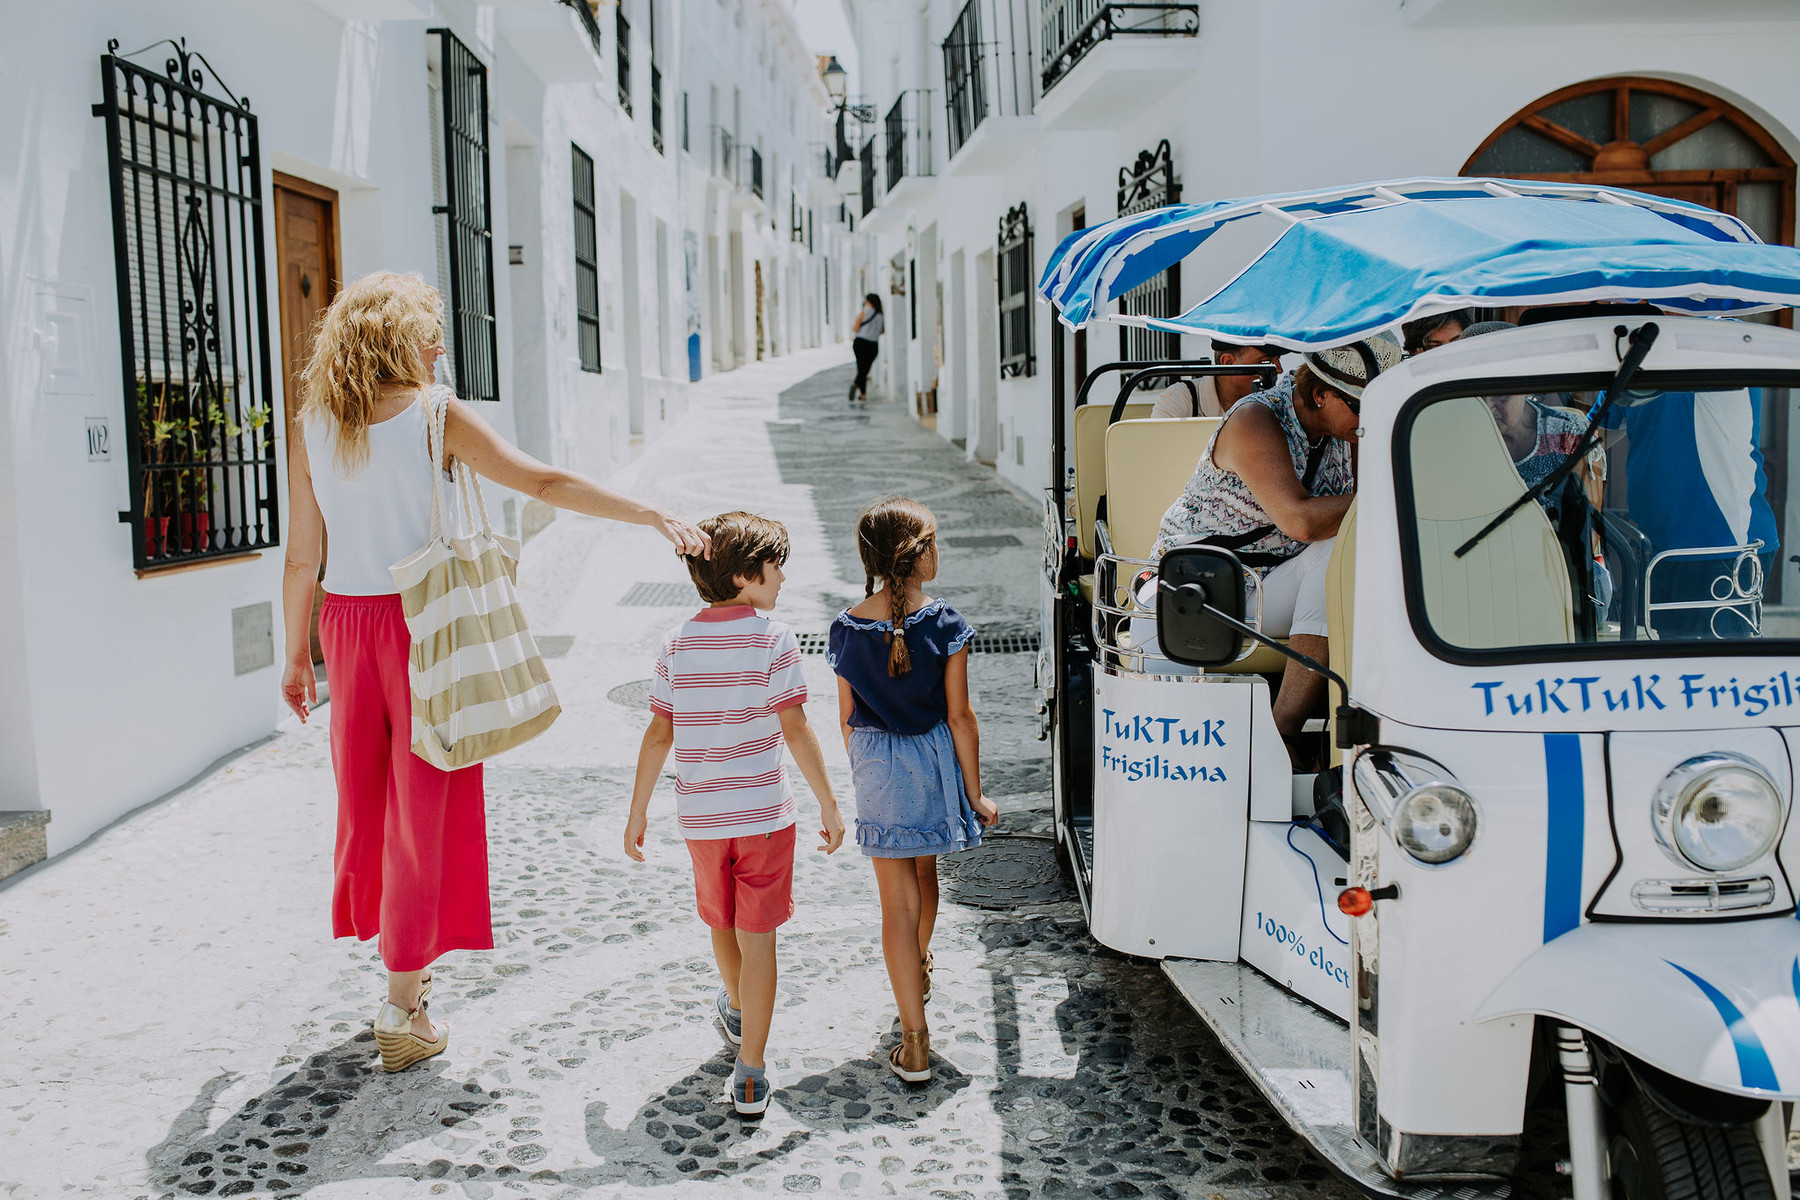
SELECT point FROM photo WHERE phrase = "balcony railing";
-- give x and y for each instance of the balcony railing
(656, 107)
(867, 158)
(990, 77)
(908, 135)
(623, 27)
(1072, 28)
(590, 23)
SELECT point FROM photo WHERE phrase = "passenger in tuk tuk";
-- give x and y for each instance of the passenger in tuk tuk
(1439, 329)
(1273, 486)
(1213, 395)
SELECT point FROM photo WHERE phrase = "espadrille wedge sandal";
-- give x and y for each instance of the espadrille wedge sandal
(400, 1046)
(915, 1044)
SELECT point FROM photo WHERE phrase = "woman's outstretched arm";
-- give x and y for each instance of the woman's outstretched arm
(472, 440)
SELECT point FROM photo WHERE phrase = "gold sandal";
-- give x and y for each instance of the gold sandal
(908, 1039)
(400, 1046)
(928, 964)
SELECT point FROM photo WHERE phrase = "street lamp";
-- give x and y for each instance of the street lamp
(835, 79)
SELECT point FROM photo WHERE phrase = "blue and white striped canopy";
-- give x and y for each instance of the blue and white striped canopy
(1312, 269)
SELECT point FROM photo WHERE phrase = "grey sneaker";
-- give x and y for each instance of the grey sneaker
(749, 1095)
(730, 1019)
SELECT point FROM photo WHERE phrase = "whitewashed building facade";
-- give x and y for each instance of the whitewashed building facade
(173, 215)
(1004, 124)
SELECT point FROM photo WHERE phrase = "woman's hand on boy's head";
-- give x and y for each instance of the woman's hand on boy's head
(634, 836)
(689, 539)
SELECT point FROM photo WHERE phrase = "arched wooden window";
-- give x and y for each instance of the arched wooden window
(1654, 136)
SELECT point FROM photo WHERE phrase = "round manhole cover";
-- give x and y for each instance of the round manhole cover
(635, 694)
(1005, 871)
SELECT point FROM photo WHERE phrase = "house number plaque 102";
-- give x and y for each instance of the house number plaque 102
(99, 440)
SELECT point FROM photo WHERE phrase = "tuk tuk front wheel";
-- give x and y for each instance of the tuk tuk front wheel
(1656, 1156)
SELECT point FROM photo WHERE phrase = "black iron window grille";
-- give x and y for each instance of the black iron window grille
(965, 97)
(796, 217)
(912, 299)
(756, 180)
(1150, 183)
(907, 128)
(867, 161)
(1072, 28)
(467, 208)
(587, 263)
(186, 174)
(1014, 267)
(895, 128)
(622, 24)
(685, 144)
(656, 107)
(590, 23)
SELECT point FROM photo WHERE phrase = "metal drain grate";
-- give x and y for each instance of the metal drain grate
(661, 595)
(983, 541)
(981, 643)
(1005, 871)
(635, 694)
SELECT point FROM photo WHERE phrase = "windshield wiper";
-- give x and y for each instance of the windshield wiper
(1642, 338)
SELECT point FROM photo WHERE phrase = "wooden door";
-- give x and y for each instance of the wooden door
(306, 264)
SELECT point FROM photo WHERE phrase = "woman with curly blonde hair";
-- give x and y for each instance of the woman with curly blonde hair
(411, 860)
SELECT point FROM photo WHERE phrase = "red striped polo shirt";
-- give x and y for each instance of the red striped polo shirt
(722, 678)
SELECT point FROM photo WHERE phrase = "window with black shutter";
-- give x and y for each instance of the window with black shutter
(587, 263)
(466, 206)
(1015, 294)
(185, 170)
(1150, 183)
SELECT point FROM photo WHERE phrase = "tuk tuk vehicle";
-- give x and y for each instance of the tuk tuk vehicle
(1563, 718)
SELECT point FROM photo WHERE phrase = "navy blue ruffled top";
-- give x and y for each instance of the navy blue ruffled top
(909, 704)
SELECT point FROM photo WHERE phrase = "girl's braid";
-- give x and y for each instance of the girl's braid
(893, 535)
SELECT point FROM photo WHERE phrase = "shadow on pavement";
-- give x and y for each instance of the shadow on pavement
(319, 1125)
(689, 1131)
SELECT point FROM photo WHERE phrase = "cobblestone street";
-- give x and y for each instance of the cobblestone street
(175, 1019)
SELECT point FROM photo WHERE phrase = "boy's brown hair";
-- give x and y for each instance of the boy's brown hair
(741, 544)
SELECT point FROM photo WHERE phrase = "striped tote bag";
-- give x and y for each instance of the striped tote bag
(478, 683)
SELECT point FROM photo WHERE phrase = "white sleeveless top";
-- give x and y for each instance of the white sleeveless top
(381, 514)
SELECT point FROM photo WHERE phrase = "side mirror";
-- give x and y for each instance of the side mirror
(1190, 578)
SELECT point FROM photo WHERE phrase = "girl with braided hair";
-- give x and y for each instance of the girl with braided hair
(903, 699)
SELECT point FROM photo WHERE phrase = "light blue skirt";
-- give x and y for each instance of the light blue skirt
(909, 794)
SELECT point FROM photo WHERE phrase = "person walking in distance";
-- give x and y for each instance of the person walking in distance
(867, 328)
(411, 856)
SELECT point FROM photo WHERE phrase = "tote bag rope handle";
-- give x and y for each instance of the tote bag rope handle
(466, 479)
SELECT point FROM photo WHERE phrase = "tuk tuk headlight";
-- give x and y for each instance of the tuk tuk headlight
(1717, 812)
(1434, 823)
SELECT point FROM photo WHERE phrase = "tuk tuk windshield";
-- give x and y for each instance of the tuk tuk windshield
(1663, 531)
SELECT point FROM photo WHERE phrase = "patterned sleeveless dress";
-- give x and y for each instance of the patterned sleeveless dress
(1217, 501)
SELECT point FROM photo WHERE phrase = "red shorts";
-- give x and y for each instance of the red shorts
(745, 883)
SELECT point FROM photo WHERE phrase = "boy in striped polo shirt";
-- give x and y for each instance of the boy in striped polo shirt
(728, 694)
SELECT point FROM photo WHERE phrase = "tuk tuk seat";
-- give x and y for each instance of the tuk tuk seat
(1088, 450)
(1513, 588)
(1148, 462)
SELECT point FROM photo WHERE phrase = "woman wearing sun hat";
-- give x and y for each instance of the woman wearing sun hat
(1273, 485)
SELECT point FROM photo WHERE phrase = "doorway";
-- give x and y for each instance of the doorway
(629, 287)
(1670, 139)
(306, 263)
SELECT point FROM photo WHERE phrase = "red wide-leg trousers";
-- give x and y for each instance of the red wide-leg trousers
(411, 839)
